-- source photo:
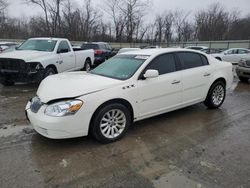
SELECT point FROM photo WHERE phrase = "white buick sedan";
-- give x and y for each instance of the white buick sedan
(125, 89)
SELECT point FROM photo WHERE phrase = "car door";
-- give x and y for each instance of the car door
(163, 93)
(195, 76)
(241, 53)
(230, 56)
(66, 57)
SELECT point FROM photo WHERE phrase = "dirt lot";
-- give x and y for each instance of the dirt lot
(193, 147)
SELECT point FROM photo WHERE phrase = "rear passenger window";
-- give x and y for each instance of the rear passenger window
(204, 60)
(241, 51)
(163, 63)
(190, 60)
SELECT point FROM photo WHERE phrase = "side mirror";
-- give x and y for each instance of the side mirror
(63, 51)
(151, 73)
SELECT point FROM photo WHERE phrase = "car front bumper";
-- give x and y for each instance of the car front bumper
(59, 127)
(243, 71)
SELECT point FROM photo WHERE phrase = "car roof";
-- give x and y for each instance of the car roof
(47, 38)
(151, 52)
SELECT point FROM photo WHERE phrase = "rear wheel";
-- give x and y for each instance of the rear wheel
(216, 95)
(111, 123)
(243, 79)
(87, 65)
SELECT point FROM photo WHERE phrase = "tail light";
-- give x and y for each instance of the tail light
(98, 52)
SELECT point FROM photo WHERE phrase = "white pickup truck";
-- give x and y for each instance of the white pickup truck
(38, 58)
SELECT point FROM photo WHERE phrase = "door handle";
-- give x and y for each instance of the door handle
(176, 82)
(207, 74)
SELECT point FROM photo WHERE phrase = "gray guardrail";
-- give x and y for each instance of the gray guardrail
(211, 44)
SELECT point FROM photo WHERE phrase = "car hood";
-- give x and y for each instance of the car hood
(72, 85)
(26, 55)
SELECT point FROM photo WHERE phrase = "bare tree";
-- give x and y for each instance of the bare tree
(54, 8)
(113, 10)
(43, 4)
(90, 18)
(3, 4)
(168, 26)
(159, 23)
(181, 24)
(133, 11)
(212, 24)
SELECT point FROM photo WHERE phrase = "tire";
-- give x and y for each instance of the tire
(110, 123)
(48, 72)
(216, 95)
(87, 65)
(8, 83)
(218, 58)
(243, 79)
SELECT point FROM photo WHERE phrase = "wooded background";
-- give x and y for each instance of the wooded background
(124, 21)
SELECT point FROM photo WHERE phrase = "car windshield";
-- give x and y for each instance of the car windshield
(120, 67)
(38, 45)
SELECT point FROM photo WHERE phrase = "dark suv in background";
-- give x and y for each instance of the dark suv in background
(102, 50)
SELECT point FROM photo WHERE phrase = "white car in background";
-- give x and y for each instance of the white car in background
(123, 50)
(6, 45)
(233, 55)
(127, 88)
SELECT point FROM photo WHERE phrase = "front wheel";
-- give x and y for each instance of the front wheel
(111, 123)
(216, 95)
(48, 72)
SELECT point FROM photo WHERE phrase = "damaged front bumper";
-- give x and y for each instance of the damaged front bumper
(20, 71)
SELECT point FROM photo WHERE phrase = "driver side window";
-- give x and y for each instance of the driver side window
(163, 63)
(63, 46)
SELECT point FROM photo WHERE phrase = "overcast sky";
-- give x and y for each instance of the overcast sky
(17, 8)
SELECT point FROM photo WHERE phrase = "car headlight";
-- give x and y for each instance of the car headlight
(64, 108)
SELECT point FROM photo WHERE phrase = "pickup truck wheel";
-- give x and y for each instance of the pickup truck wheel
(8, 83)
(111, 123)
(48, 72)
(87, 65)
(243, 79)
(216, 95)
